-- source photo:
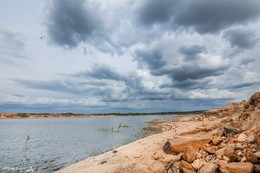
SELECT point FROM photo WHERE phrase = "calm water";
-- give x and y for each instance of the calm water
(57, 143)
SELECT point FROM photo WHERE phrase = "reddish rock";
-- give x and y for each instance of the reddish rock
(255, 99)
(257, 154)
(226, 158)
(221, 162)
(180, 144)
(251, 139)
(242, 138)
(237, 167)
(233, 157)
(186, 167)
(197, 164)
(226, 150)
(211, 149)
(216, 140)
(209, 158)
(251, 157)
(189, 155)
(257, 168)
(208, 168)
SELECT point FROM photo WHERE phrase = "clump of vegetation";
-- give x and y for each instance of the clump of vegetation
(25, 152)
(22, 115)
(114, 131)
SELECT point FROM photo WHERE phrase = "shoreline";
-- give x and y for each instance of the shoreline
(43, 116)
(221, 140)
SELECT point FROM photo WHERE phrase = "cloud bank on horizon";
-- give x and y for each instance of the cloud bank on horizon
(95, 56)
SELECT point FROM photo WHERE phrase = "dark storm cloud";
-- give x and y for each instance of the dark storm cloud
(55, 85)
(241, 38)
(70, 22)
(195, 71)
(244, 85)
(153, 11)
(101, 72)
(132, 87)
(204, 16)
(187, 72)
(191, 52)
(189, 84)
(192, 84)
(152, 58)
(183, 72)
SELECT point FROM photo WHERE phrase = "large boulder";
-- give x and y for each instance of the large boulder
(237, 167)
(180, 144)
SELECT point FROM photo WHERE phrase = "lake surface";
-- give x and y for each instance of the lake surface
(59, 142)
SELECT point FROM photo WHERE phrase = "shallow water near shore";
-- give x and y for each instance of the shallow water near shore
(57, 143)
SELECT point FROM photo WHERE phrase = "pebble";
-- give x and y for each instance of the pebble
(251, 139)
(242, 137)
(226, 158)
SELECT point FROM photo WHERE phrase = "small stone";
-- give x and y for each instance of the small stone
(219, 157)
(242, 137)
(239, 153)
(251, 139)
(233, 158)
(198, 155)
(216, 140)
(243, 159)
(226, 150)
(102, 162)
(257, 154)
(208, 168)
(186, 167)
(189, 155)
(197, 164)
(251, 157)
(211, 149)
(229, 129)
(226, 158)
(209, 158)
(222, 145)
(221, 162)
(239, 146)
(166, 147)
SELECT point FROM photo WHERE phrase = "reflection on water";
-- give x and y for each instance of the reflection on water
(57, 143)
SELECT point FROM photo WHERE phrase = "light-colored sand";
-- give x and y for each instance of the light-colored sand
(144, 155)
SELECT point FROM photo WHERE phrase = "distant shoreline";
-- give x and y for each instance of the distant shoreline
(71, 115)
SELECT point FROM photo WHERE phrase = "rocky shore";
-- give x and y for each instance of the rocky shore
(222, 140)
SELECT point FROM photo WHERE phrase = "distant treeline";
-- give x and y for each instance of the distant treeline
(116, 114)
(156, 113)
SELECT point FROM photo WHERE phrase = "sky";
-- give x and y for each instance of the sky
(102, 56)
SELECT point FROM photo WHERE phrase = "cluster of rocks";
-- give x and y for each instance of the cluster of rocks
(226, 146)
(204, 153)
